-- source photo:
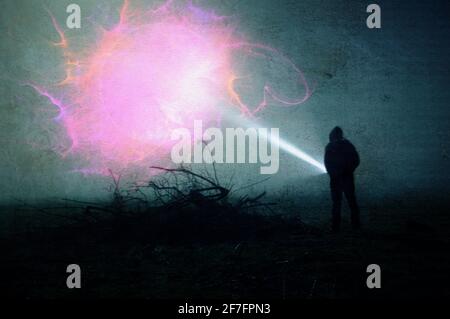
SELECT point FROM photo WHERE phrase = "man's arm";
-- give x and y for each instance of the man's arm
(326, 159)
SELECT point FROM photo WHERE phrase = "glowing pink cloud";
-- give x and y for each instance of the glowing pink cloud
(154, 71)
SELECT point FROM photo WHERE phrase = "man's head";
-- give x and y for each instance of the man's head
(336, 134)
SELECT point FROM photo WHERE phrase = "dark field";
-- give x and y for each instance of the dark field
(218, 254)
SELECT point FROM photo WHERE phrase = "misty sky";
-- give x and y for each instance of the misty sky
(388, 89)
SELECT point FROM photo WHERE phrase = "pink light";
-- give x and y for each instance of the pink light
(156, 70)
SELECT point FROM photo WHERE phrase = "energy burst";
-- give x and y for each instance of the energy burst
(154, 71)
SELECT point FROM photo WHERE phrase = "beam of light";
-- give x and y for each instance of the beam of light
(154, 71)
(281, 143)
(299, 154)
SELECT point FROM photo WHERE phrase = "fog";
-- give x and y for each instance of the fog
(387, 88)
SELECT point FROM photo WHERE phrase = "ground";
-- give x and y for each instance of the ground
(279, 258)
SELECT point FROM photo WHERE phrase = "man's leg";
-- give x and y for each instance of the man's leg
(336, 196)
(349, 190)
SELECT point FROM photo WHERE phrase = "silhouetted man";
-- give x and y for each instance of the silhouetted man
(341, 160)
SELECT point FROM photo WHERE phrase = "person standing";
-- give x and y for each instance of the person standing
(341, 160)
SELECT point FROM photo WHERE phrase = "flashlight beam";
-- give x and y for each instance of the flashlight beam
(287, 147)
(282, 144)
(300, 154)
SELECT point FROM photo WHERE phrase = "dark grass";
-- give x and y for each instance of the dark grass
(209, 245)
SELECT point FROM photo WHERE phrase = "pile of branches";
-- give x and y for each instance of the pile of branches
(182, 188)
(176, 204)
